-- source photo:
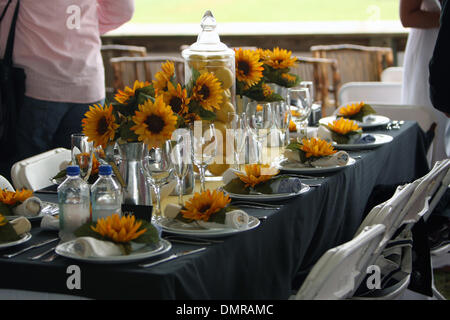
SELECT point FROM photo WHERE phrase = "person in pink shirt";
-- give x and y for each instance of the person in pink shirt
(58, 44)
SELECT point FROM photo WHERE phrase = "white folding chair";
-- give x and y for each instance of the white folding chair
(335, 275)
(370, 92)
(36, 172)
(392, 74)
(5, 184)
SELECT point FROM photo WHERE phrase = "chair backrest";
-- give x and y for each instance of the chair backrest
(36, 172)
(337, 273)
(129, 69)
(371, 91)
(109, 51)
(5, 184)
(320, 71)
(423, 115)
(357, 63)
(392, 74)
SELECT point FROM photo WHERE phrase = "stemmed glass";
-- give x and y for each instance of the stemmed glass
(282, 118)
(237, 125)
(204, 147)
(157, 169)
(259, 120)
(299, 102)
(82, 154)
(181, 158)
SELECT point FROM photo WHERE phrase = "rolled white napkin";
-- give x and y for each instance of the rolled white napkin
(21, 225)
(229, 175)
(31, 207)
(236, 219)
(50, 223)
(91, 247)
(340, 158)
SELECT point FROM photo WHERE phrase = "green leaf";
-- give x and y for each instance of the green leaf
(60, 175)
(219, 216)
(8, 234)
(5, 210)
(236, 186)
(142, 98)
(126, 133)
(150, 236)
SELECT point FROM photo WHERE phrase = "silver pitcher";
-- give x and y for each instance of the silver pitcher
(136, 188)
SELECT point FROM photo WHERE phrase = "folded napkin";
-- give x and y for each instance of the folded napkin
(236, 219)
(31, 207)
(50, 223)
(21, 225)
(366, 139)
(90, 247)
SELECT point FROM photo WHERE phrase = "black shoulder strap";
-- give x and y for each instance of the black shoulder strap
(12, 31)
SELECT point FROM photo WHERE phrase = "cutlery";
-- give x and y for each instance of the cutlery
(303, 176)
(37, 245)
(42, 254)
(51, 258)
(244, 205)
(175, 238)
(256, 204)
(188, 241)
(172, 257)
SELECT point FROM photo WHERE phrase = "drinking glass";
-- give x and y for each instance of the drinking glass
(82, 154)
(157, 169)
(310, 86)
(181, 158)
(204, 147)
(238, 133)
(259, 120)
(299, 102)
(282, 118)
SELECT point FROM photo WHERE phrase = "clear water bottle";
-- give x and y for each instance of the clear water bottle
(74, 203)
(106, 194)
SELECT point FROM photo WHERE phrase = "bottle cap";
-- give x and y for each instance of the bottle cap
(105, 170)
(73, 170)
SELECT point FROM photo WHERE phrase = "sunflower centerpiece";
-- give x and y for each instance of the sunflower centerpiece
(309, 150)
(356, 111)
(341, 131)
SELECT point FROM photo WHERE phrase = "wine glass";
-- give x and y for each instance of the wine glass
(181, 158)
(259, 120)
(82, 154)
(157, 169)
(299, 102)
(237, 125)
(204, 147)
(310, 86)
(282, 118)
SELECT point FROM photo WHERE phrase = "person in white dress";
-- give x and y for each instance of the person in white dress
(422, 17)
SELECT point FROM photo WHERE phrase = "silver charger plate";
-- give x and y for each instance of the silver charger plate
(184, 229)
(294, 168)
(380, 139)
(66, 250)
(23, 238)
(377, 121)
(268, 197)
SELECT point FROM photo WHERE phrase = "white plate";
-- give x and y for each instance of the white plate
(291, 167)
(380, 139)
(49, 208)
(66, 250)
(377, 121)
(179, 228)
(24, 238)
(268, 197)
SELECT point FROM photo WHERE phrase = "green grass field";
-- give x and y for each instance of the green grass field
(191, 11)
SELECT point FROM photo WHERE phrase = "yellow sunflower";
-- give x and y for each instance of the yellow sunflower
(316, 147)
(176, 98)
(343, 126)
(288, 77)
(267, 90)
(208, 91)
(351, 109)
(12, 197)
(202, 205)
(99, 125)
(122, 96)
(163, 77)
(3, 220)
(256, 174)
(292, 126)
(279, 58)
(248, 67)
(155, 122)
(191, 118)
(119, 229)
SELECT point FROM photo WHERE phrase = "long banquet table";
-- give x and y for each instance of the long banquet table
(264, 263)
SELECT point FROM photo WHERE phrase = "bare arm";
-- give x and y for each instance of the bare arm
(412, 16)
(113, 13)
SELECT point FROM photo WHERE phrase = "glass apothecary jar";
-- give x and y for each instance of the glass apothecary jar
(210, 55)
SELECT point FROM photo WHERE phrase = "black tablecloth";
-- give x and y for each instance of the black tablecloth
(265, 263)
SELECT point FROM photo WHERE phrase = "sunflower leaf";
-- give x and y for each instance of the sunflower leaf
(150, 236)
(5, 210)
(236, 186)
(8, 234)
(219, 216)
